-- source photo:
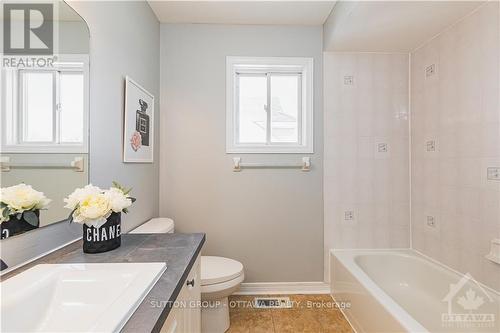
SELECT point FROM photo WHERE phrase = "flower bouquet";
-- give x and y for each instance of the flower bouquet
(100, 213)
(20, 207)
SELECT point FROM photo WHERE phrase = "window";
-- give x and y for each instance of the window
(51, 104)
(45, 108)
(269, 105)
(37, 105)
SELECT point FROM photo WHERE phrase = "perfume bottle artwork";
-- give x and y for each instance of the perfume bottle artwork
(142, 122)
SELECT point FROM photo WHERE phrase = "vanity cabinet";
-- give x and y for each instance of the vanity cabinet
(185, 315)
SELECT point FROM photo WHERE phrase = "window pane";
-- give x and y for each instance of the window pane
(284, 108)
(252, 111)
(71, 90)
(38, 106)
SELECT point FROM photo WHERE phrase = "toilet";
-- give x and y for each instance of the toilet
(220, 277)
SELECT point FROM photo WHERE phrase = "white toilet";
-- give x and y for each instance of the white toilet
(220, 277)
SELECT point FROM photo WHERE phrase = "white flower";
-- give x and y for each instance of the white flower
(79, 195)
(93, 206)
(93, 210)
(118, 201)
(22, 197)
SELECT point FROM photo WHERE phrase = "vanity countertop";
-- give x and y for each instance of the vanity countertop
(179, 251)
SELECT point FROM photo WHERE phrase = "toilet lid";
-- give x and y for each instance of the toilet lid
(158, 225)
(217, 270)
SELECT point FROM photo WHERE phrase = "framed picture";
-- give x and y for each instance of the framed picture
(138, 132)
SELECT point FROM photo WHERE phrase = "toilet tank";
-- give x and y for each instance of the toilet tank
(158, 225)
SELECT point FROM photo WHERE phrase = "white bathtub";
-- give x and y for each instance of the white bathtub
(403, 291)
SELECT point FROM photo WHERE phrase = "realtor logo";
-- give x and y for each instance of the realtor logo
(469, 305)
(28, 29)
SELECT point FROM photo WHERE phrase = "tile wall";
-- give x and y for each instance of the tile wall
(366, 158)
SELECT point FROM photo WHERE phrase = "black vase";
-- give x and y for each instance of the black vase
(105, 238)
(15, 227)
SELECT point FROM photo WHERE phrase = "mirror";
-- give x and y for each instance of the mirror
(44, 116)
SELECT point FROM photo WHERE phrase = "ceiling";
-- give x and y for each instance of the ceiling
(67, 13)
(349, 26)
(390, 26)
(243, 12)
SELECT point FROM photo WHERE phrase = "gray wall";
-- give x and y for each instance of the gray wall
(270, 220)
(73, 37)
(119, 46)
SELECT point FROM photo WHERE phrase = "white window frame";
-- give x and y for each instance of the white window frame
(236, 66)
(11, 119)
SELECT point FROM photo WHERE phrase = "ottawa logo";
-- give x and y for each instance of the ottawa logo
(470, 306)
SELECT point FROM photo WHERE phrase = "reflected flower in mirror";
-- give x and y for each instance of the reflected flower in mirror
(20, 207)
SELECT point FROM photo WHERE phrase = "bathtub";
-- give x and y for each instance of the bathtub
(403, 291)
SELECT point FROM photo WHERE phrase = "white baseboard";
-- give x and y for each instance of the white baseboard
(283, 288)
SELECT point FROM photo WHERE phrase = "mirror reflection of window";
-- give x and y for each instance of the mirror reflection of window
(52, 106)
(71, 107)
(45, 130)
(37, 105)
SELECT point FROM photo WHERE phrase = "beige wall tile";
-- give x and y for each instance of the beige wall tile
(357, 176)
(458, 107)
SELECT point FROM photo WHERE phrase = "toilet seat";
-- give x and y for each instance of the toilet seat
(217, 270)
(220, 290)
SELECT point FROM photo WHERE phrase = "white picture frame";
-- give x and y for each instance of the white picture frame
(138, 124)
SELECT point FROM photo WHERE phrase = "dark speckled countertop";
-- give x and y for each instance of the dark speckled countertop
(179, 251)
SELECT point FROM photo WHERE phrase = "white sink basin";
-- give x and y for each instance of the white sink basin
(75, 297)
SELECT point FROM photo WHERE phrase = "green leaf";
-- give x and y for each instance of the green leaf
(31, 218)
(70, 217)
(3, 204)
(117, 185)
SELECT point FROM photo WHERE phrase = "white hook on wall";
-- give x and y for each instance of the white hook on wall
(236, 162)
(306, 163)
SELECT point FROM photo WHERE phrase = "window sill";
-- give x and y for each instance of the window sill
(270, 150)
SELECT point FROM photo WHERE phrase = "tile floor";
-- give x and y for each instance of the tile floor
(302, 317)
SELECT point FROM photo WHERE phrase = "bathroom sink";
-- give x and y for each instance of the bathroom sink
(75, 297)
